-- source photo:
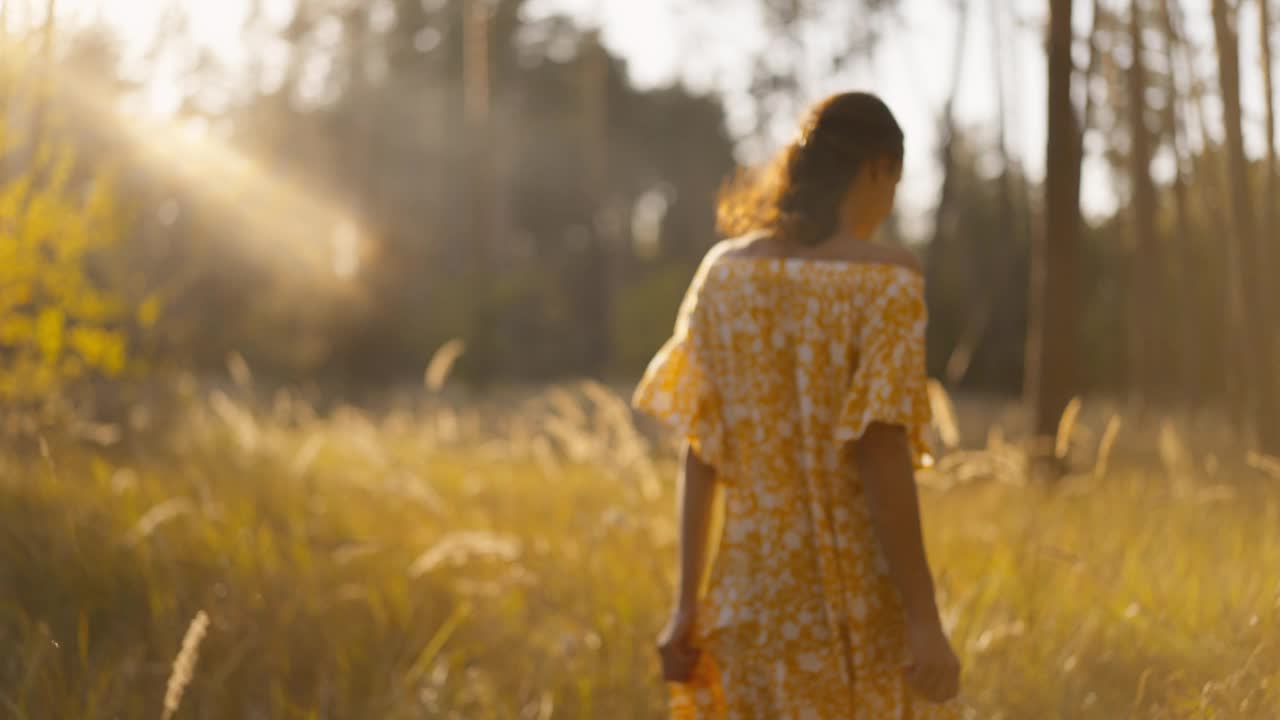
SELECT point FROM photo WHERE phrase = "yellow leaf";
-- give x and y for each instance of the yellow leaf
(16, 329)
(49, 332)
(149, 311)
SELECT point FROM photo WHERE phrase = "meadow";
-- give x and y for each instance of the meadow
(253, 555)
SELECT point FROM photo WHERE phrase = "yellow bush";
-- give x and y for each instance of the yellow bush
(57, 322)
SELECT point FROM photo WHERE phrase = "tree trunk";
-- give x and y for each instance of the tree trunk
(1232, 345)
(1051, 337)
(944, 215)
(1189, 307)
(1147, 339)
(1257, 306)
(597, 282)
(476, 94)
(1270, 211)
(991, 269)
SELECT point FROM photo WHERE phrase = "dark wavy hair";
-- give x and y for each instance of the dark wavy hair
(797, 197)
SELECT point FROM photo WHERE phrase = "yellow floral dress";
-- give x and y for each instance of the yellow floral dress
(775, 365)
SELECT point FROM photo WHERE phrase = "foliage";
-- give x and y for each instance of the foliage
(516, 558)
(60, 321)
(544, 211)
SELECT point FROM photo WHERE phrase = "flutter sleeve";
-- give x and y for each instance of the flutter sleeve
(889, 383)
(678, 388)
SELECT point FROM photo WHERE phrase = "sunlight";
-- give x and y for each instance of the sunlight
(216, 25)
(284, 223)
(155, 55)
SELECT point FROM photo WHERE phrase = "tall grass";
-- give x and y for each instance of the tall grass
(514, 559)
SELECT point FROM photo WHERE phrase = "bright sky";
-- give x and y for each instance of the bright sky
(911, 69)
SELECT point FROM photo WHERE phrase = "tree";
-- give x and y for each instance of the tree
(942, 246)
(1190, 307)
(491, 159)
(991, 293)
(1229, 359)
(1146, 336)
(1051, 335)
(780, 81)
(1271, 200)
(1258, 304)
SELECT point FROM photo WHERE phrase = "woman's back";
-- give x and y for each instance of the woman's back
(776, 364)
(784, 338)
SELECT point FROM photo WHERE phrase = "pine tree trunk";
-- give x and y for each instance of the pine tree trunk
(1271, 200)
(1145, 327)
(1258, 305)
(1190, 310)
(1233, 343)
(944, 236)
(993, 274)
(597, 283)
(1051, 346)
(476, 94)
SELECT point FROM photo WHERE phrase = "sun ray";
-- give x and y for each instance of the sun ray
(279, 219)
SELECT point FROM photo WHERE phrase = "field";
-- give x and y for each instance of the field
(463, 559)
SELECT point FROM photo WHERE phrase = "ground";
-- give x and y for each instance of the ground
(515, 559)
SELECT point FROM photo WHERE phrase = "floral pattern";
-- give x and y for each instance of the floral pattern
(775, 364)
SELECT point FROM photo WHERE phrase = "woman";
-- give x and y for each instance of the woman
(796, 379)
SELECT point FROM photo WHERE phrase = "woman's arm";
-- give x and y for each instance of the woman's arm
(888, 480)
(883, 458)
(675, 644)
(697, 491)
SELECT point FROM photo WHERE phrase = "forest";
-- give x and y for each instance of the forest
(317, 318)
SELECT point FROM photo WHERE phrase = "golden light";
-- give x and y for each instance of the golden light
(281, 221)
(214, 25)
(284, 223)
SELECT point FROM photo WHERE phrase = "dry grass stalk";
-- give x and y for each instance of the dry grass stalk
(629, 449)
(239, 370)
(1174, 455)
(566, 406)
(306, 455)
(577, 444)
(159, 515)
(441, 364)
(235, 417)
(1105, 445)
(944, 415)
(995, 438)
(184, 666)
(461, 546)
(545, 457)
(1066, 426)
(1268, 464)
(1007, 466)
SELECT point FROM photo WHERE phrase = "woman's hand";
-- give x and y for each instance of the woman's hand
(933, 670)
(675, 647)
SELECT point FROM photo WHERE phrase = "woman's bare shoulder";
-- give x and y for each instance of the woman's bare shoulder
(763, 245)
(883, 254)
(757, 244)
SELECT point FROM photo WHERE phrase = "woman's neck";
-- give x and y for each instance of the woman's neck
(851, 235)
